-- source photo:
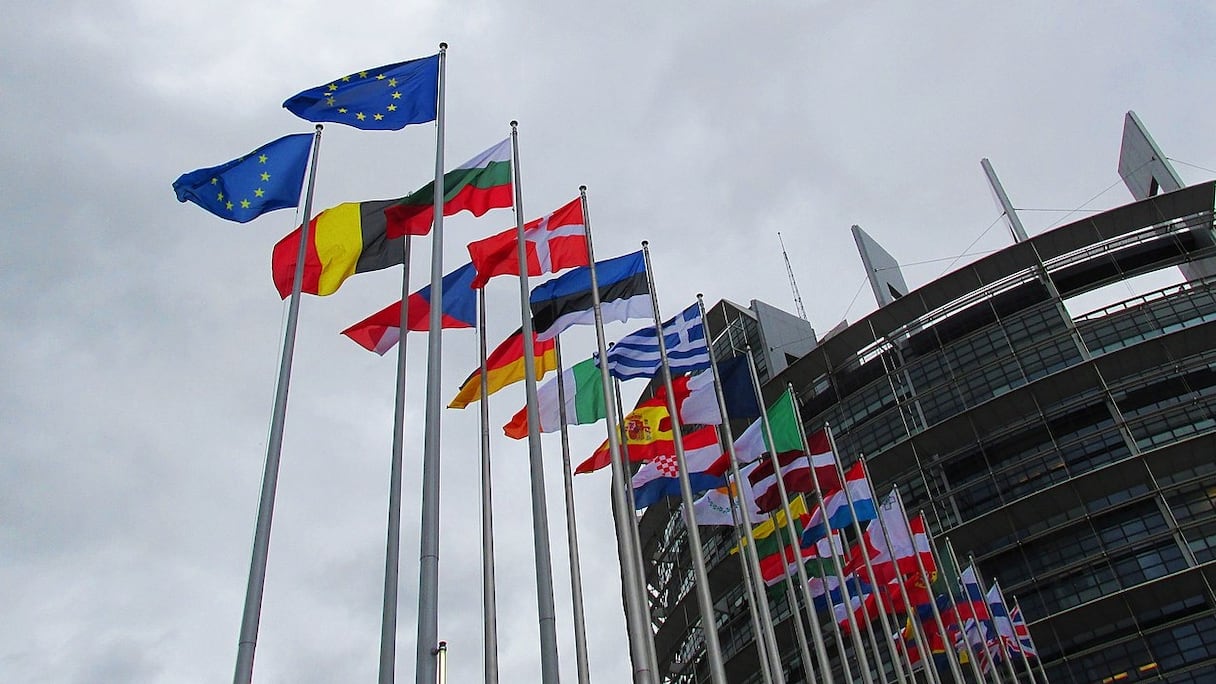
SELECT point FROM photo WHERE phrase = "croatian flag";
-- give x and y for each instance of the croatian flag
(660, 477)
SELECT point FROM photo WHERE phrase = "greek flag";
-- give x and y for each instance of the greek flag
(637, 355)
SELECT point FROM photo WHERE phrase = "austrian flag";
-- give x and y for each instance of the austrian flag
(554, 242)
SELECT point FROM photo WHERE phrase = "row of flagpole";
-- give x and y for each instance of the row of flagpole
(431, 655)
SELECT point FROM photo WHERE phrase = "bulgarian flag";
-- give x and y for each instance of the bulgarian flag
(505, 366)
(584, 390)
(477, 186)
(553, 242)
(358, 237)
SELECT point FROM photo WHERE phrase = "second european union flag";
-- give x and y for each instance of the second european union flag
(243, 189)
(386, 98)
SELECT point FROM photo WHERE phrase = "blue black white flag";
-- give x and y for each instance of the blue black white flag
(243, 189)
(624, 293)
(637, 355)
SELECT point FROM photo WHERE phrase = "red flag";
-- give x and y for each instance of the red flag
(553, 242)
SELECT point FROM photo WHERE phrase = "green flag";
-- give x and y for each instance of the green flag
(584, 388)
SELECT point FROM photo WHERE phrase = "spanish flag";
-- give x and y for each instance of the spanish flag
(505, 366)
(645, 435)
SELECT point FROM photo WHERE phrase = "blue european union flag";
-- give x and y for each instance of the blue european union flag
(243, 189)
(386, 98)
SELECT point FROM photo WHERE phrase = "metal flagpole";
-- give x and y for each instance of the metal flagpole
(633, 532)
(709, 625)
(1002, 648)
(825, 668)
(392, 552)
(766, 617)
(917, 629)
(441, 654)
(252, 614)
(804, 649)
(576, 575)
(1022, 647)
(882, 609)
(540, 513)
(863, 663)
(488, 595)
(749, 583)
(641, 639)
(937, 615)
(425, 661)
(958, 619)
(988, 646)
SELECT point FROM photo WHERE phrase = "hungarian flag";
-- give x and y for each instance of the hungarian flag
(645, 435)
(553, 242)
(380, 331)
(476, 186)
(342, 241)
(660, 477)
(584, 391)
(505, 366)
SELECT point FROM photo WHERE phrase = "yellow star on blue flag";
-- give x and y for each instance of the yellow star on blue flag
(243, 189)
(386, 98)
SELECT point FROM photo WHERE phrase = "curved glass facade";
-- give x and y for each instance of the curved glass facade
(1074, 455)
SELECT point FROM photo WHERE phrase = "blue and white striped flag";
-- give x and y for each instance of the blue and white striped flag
(637, 355)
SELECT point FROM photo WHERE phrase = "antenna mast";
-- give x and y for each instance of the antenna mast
(793, 283)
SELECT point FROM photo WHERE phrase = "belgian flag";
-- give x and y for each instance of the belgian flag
(343, 240)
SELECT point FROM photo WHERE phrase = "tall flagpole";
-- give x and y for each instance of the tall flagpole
(647, 642)
(489, 603)
(1002, 647)
(821, 651)
(540, 515)
(252, 614)
(425, 663)
(392, 552)
(1008, 648)
(952, 660)
(576, 575)
(900, 579)
(641, 639)
(863, 663)
(1022, 647)
(709, 625)
(749, 553)
(758, 630)
(988, 648)
(804, 649)
(958, 619)
(882, 610)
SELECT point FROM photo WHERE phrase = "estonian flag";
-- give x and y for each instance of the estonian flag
(566, 300)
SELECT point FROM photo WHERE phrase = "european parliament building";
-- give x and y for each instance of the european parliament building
(1073, 452)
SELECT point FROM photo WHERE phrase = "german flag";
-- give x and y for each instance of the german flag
(343, 240)
(505, 366)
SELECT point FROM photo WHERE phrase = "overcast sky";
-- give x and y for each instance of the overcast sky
(140, 336)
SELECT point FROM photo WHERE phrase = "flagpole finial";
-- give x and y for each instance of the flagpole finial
(645, 242)
(443, 46)
(514, 123)
(319, 127)
(582, 188)
(700, 296)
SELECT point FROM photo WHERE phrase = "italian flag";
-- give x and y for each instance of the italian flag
(477, 186)
(584, 388)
